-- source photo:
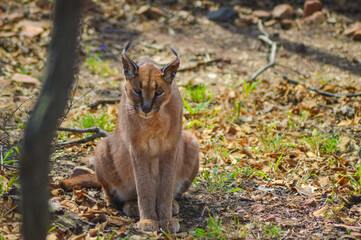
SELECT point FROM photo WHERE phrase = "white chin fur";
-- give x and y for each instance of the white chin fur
(145, 116)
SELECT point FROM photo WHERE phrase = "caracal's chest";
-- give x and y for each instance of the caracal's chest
(153, 135)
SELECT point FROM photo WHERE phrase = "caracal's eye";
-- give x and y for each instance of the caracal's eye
(137, 91)
(158, 93)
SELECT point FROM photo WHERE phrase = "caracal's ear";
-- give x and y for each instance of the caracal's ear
(129, 66)
(170, 69)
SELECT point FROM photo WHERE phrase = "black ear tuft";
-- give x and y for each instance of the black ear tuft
(170, 70)
(129, 66)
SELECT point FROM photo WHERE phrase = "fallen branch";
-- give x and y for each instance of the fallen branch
(103, 101)
(323, 93)
(271, 57)
(98, 133)
(202, 63)
(305, 76)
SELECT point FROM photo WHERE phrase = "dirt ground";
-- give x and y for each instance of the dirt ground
(278, 160)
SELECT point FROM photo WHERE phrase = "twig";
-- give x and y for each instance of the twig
(261, 28)
(12, 114)
(103, 101)
(271, 57)
(293, 70)
(323, 93)
(72, 101)
(98, 133)
(8, 166)
(202, 63)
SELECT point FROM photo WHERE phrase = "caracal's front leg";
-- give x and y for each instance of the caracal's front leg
(166, 190)
(145, 191)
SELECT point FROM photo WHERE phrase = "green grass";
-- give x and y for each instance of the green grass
(100, 67)
(196, 98)
(105, 237)
(220, 180)
(6, 159)
(89, 120)
(214, 230)
(102, 121)
(248, 88)
(271, 142)
(8, 180)
(321, 143)
(198, 93)
(272, 231)
(6, 187)
(195, 108)
(355, 181)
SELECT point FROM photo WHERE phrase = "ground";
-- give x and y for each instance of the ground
(278, 160)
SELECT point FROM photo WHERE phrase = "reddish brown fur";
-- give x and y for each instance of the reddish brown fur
(149, 160)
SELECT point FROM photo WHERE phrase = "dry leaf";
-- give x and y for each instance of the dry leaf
(257, 208)
(307, 191)
(321, 212)
(323, 181)
(32, 31)
(21, 78)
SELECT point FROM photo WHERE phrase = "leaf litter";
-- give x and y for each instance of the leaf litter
(277, 160)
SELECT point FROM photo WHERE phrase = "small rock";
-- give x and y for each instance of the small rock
(150, 12)
(69, 221)
(224, 14)
(315, 18)
(286, 23)
(25, 79)
(262, 14)
(357, 35)
(283, 11)
(311, 6)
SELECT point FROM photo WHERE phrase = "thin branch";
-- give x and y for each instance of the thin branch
(271, 57)
(9, 166)
(98, 134)
(323, 93)
(13, 113)
(293, 70)
(85, 130)
(201, 63)
(261, 28)
(103, 101)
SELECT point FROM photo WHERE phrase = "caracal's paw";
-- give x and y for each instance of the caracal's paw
(148, 225)
(170, 225)
(175, 207)
(131, 209)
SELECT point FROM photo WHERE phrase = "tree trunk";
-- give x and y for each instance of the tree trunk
(39, 132)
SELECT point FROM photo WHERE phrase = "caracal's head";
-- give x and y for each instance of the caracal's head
(148, 85)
